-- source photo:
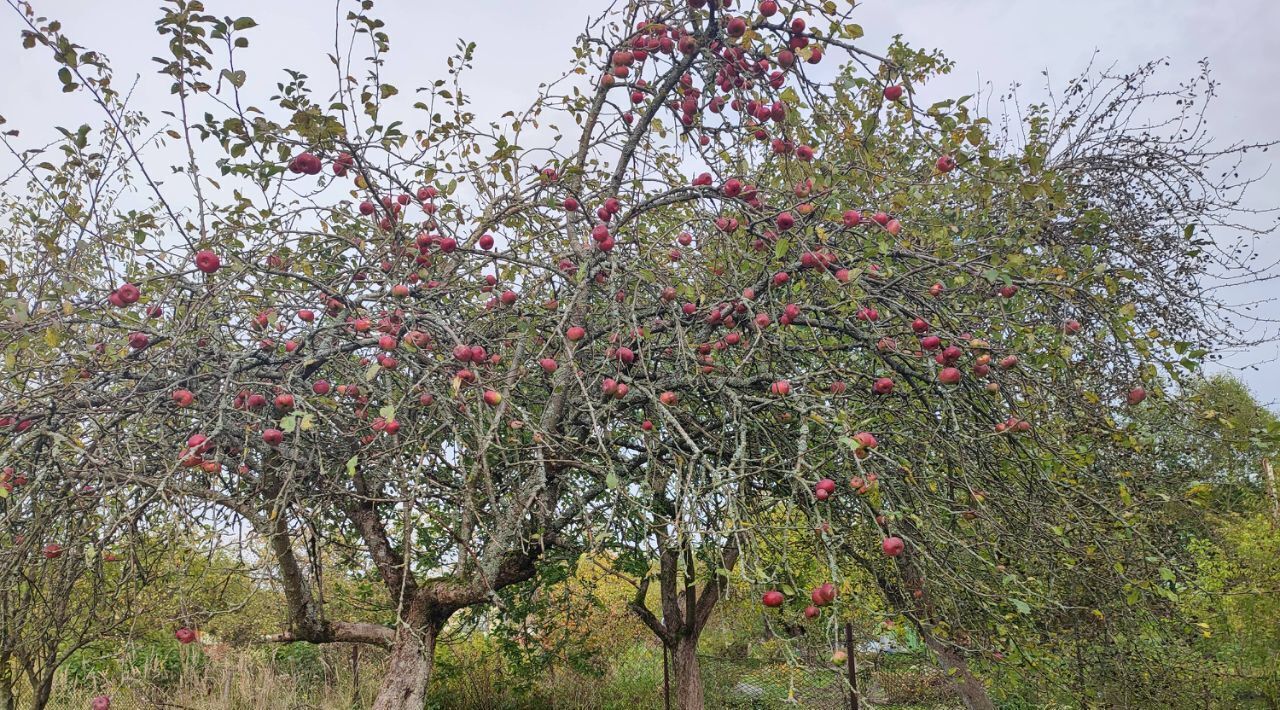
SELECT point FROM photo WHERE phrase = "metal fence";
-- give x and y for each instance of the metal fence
(870, 675)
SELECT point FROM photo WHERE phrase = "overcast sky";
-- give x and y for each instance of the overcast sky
(525, 42)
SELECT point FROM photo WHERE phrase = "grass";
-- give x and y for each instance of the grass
(471, 675)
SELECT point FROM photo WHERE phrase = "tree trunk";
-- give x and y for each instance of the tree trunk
(42, 693)
(688, 674)
(409, 669)
(972, 692)
(8, 698)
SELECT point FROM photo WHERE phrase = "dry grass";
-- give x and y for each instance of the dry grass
(235, 680)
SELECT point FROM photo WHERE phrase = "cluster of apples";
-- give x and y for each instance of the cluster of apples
(11, 479)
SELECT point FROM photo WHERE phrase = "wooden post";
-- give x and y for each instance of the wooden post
(355, 673)
(850, 651)
(666, 680)
(1269, 479)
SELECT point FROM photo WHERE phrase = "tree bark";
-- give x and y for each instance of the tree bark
(688, 673)
(8, 698)
(972, 691)
(42, 692)
(409, 669)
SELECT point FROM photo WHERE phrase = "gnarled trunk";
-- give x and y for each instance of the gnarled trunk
(688, 674)
(972, 691)
(8, 696)
(409, 669)
(42, 693)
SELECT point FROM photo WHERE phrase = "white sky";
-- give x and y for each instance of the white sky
(524, 42)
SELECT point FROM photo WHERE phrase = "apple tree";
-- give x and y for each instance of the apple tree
(705, 274)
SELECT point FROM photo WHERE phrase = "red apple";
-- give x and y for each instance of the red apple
(892, 546)
(207, 261)
(773, 599)
(273, 437)
(828, 591)
(949, 376)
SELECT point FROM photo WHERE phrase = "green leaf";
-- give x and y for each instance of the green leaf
(611, 480)
(388, 412)
(244, 23)
(372, 372)
(1021, 606)
(351, 465)
(235, 77)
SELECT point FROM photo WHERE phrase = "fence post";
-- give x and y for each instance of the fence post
(355, 673)
(666, 680)
(1269, 476)
(850, 651)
